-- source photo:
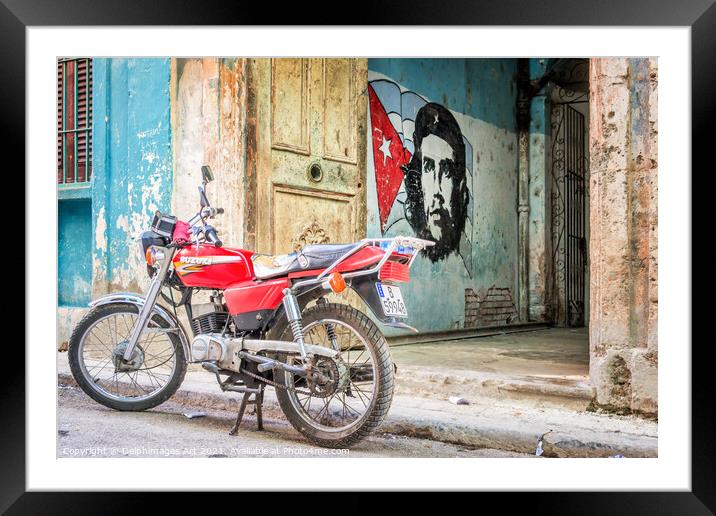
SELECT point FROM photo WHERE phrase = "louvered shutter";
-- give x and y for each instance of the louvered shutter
(74, 120)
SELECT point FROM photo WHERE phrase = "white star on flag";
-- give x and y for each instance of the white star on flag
(385, 149)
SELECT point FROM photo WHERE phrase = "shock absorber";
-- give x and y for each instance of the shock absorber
(330, 328)
(293, 314)
(331, 331)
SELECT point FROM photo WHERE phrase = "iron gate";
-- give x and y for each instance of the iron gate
(569, 191)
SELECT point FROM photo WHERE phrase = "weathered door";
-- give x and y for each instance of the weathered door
(306, 170)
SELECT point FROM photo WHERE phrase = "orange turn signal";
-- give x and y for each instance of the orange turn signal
(149, 255)
(336, 282)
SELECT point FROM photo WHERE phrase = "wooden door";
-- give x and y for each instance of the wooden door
(307, 122)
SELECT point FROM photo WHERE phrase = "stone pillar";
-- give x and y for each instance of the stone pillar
(523, 214)
(623, 233)
(208, 119)
(539, 267)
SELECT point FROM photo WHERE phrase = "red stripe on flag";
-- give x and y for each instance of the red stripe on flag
(388, 156)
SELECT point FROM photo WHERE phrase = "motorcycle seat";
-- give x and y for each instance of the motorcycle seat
(311, 257)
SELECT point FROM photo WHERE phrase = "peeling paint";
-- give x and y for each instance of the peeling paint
(132, 161)
(209, 130)
(100, 234)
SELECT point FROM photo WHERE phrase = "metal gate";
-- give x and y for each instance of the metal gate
(570, 167)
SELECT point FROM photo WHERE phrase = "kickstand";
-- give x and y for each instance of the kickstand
(257, 402)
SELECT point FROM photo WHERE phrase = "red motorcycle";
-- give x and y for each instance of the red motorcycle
(265, 321)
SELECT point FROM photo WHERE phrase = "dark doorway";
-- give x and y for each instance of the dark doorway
(570, 176)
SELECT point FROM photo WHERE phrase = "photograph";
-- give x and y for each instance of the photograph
(417, 252)
(357, 257)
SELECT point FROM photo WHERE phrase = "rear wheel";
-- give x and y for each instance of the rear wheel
(347, 397)
(156, 369)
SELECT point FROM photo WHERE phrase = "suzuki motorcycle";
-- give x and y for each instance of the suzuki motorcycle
(266, 322)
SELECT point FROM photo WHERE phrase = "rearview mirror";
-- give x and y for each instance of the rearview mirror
(203, 201)
(206, 174)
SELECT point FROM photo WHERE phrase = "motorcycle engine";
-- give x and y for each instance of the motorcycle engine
(208, 348)
(212, 347)
(210, 317)
(210, 322)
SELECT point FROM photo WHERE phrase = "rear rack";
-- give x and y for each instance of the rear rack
(400, 244)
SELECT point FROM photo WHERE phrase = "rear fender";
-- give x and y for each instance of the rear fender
(138, 301)
(364, 286)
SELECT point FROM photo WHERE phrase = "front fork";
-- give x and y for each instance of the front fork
(149, 301)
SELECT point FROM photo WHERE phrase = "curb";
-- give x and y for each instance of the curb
(454, 429)
(571, 394)
(461, 334)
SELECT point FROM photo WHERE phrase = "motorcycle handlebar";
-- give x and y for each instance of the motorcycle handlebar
(211, 236)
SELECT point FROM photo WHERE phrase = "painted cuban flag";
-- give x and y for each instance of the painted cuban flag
(393, 113)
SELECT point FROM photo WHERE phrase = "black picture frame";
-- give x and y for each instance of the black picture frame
(700, 15)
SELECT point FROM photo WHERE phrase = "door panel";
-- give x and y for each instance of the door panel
(310, 155)
(289, 106)
(295, 226)
(339, 119)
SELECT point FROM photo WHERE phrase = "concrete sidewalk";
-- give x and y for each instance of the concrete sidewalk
(548, 367)
(518, 389)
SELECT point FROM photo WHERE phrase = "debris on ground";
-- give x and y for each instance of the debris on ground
(458, 400)
(540, 450)
(63, 433)
(63, 346)
(617, 456)
(192, 415)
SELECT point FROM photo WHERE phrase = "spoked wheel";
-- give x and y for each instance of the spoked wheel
(343, 399)
(152, 375)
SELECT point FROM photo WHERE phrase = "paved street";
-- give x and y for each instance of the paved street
(89, 429)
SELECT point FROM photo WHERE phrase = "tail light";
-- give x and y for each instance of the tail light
(394, 271)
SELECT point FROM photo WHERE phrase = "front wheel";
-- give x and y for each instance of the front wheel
(347, 397)
(156, 369)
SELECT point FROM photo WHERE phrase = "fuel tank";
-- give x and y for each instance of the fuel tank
(213, 267)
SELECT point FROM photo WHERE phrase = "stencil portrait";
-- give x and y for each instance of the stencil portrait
(435, 181)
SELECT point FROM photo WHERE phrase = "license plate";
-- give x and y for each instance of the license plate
(392, 300)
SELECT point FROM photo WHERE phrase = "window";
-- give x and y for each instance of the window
(74, 120)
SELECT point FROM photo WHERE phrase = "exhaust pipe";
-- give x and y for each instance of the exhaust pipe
(266, 364)
(227, 352)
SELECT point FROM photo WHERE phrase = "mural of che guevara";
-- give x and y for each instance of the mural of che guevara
(423, 171)
(435, 181)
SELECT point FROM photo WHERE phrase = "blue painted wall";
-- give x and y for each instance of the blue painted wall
(482, 96)
(132, 163)
(480, 88)
(74, 253)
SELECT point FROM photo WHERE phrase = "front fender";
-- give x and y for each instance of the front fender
(138, 300)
